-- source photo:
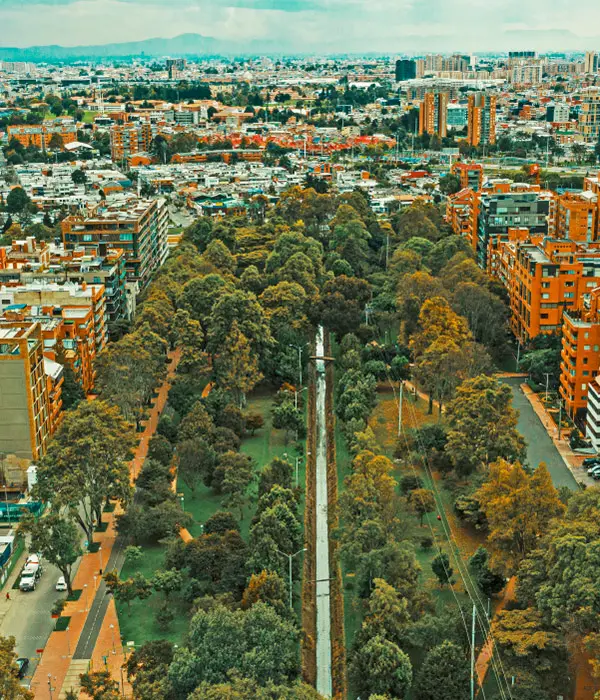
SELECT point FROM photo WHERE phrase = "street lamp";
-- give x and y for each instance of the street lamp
(100, 557)
(290, 557)
(299, 348)
(85, 587)
(112, 629)
(298, 460)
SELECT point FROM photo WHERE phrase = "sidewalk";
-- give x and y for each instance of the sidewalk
(57, 661)
(571, 459)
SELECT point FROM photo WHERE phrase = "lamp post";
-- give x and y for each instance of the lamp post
(298, 460)
(112, 629)
(290, 557)
(299, 348)
(85, 588)
(100, 557)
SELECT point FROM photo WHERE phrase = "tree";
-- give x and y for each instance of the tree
(58, 540)
(342, 304)
(387, 615)
(248, 689)
(196, 425)
(79, 177)
(444, 674)
(196, 461)
(395, 563)
(277, 472)
(258, 643)
(518, 508)
(449, 184)
(160, 450)
(483, 425)
(490, 582)
(422, 501)
(380, 666)
(99, 685)
(128, 590)
(287, 417)
(147, 669)
(9, 683)
(220, 522)
(56, 143)
(276, 529)
(237, 365)
(87, 463)
(238, 474)
(72, 392)
(440, 566)
(269, 588)
(167, 581)
(17, 200)
(254, 422)
(219, 255)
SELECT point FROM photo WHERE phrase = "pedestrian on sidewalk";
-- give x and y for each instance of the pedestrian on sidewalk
(7, 595)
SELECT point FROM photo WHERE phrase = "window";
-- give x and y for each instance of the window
(587, 347)
(569, 295)
(126, 236)
(87, 237)
(583, 387)
(545, 296)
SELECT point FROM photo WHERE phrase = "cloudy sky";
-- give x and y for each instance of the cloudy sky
(312, 25)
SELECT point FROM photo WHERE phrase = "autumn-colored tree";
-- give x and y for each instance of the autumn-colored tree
(99, 685)
(197, 424)
(285, 306)
(9, 682)
(387, 614)
(518, 508)
(266, 587)
(483, 425)
(438, 319)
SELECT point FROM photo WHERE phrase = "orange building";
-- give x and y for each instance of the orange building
(25, 406)
(577, 216)
(580, 354)
(481, 119)
(469, 174)
(433, 114)
(462, 212)
(40, 135)
(129, 139)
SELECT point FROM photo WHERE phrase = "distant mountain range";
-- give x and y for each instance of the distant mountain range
(192, 45)
(183, 45)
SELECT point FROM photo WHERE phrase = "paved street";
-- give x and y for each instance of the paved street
(540, 447)
(28, 616)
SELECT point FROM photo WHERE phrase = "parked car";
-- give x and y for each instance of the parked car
(590, 461)
(61, 584)
(593, 469)
(596, 475)
(22, 666)
(29, 577)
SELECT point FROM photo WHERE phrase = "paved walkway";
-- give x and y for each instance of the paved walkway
(89, 637)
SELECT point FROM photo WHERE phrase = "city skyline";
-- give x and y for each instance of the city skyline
(308, 25)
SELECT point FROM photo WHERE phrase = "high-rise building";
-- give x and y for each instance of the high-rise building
(25, 425)
(138, 227)
(591, 62)
(406, 69)
(527, 74)
(589, 116)
(130, 138)
(433, 114)
(174, 67)
(558, 112)
(481, 119)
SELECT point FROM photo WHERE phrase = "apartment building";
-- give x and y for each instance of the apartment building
(40, 135)
(592, 419)
(25, 405)
(577, 216)
(580, 354)
(481, 127)
(433, 114)
(589, 115)
(591, 62)
(56, 297)
(130, 138)
(138, 227)
(469, 174)
(522, 206)
(406, 69)
(544, 277)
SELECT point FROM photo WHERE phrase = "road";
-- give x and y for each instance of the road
(540, 447)
(28, 617)
(95, 618)
(323, 646)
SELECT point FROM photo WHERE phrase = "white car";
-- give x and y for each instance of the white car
(61, 584)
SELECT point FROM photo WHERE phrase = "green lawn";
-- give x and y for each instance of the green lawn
(138, 624)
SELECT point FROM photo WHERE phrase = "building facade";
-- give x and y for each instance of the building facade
(433, 114)
(481, 128)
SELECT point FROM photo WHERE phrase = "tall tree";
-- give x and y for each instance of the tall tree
(380, 666)
(483, 425)
(444, 674)
(87, 462)
(57, 539)
(237, 365)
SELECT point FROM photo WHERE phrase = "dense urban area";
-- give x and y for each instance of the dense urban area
(300, 377)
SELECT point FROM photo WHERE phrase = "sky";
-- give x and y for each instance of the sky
(312, 25)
